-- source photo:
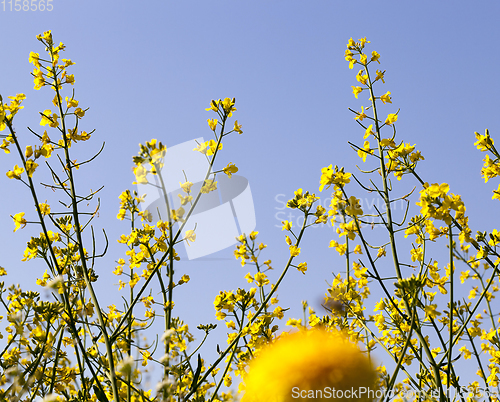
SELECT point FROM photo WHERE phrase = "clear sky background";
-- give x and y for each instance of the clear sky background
(148, 69)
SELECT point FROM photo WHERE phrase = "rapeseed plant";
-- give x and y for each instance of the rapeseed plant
(72, 348)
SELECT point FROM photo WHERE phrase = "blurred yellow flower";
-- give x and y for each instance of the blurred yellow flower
(310, 365)
(186, 187)
(190, 236)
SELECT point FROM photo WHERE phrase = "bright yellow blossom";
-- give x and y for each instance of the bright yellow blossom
(71, 102)
(212, 123)
(237, 127)
(391, 118)
(356, 91)
(31, 167)
(214, 105)
(35, 59)
(484, 142)
(368, 132)
(79, 112)
(302, 267)
(49, 118)
(363, 41)
(19, 220)
(362, 78)
(29, 151)
(386, 98)
(341, 248)
(329, 177)
(44, 208)
(294, 251)
(363, 152)
(230, 169)
(380, 76)
(208, 186)
(354, 207)
(362, 115)
(15, 173)
(307, 361)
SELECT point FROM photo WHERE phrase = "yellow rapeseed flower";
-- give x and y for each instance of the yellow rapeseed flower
(237, 127)
(212, 123)
(356, 91)
(230, 169)
(19, 220)
(386, 98)
(310, 365)
(391, 118)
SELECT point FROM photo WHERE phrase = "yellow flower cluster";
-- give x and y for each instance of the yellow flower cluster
(336, 177)
(491, 166)
(437, 204)
(150, 157)
(7, 113)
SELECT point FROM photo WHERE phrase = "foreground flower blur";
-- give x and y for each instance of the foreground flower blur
(310, 365)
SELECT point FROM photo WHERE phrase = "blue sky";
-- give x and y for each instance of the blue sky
(149, 69)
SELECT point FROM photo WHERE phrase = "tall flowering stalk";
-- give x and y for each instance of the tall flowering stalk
(410, 321)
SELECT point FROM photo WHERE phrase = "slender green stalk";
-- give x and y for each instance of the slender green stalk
(65, 296)
(392, 240)
(230, 360)
(76, 217)
(452, 302)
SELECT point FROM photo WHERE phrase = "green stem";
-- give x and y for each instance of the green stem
(59, 271)
(450, 318)
(389, 226)
(228, 365)
(76, 217)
